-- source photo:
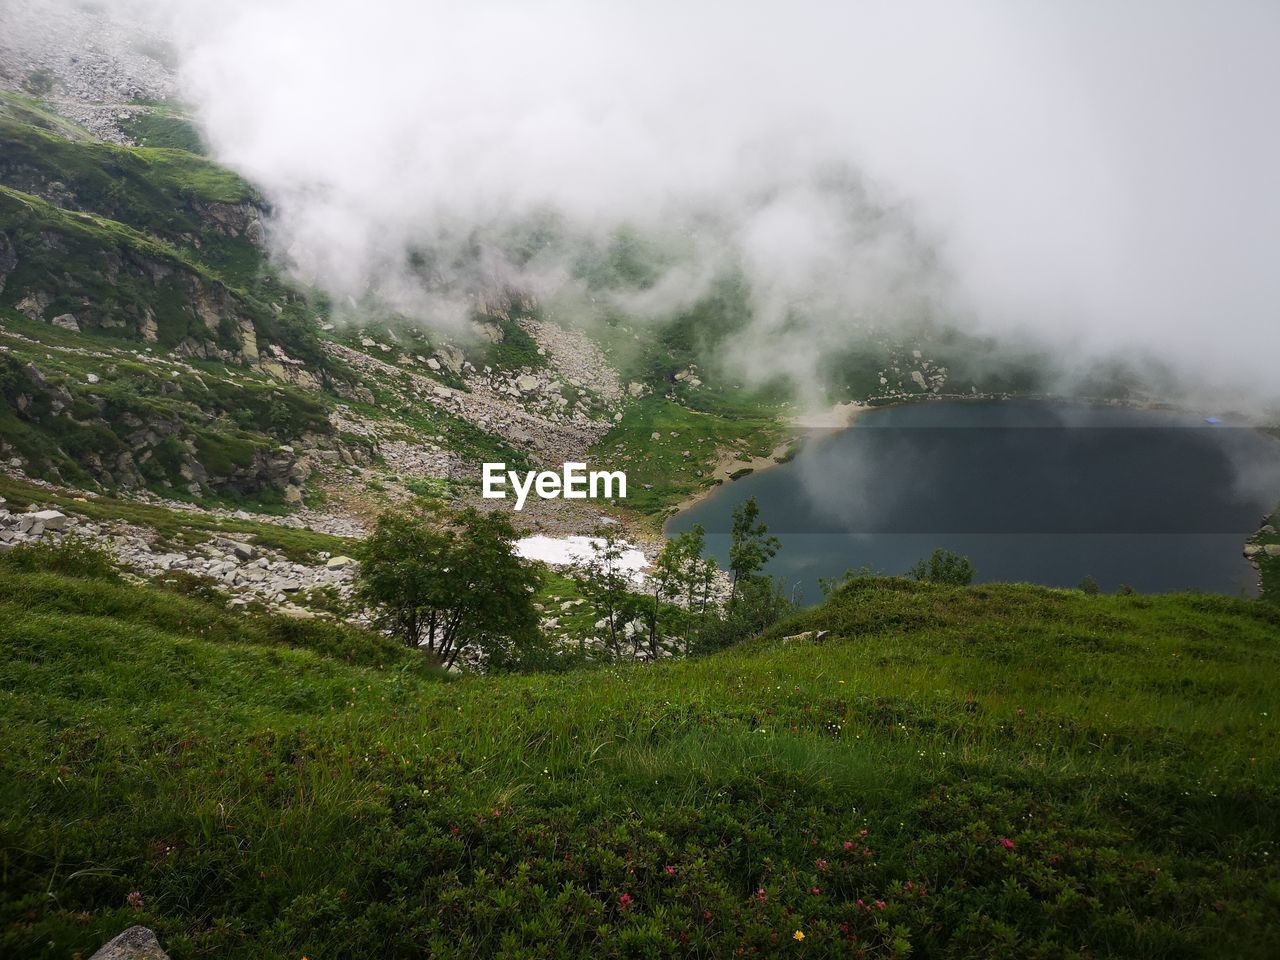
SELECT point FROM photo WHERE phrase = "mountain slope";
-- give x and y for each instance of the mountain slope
(267, 792)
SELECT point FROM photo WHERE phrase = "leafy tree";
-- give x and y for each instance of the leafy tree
(678, 574)
(607, 586)
(943, 566)
(750, 546)
(1090, 586)
(448, 587)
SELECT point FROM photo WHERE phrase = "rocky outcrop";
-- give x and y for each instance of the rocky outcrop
(136, 943)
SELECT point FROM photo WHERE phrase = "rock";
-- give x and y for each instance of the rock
(655, 436)
(635, 389)
(1252, 550)
(243, 551)
(136, 943)
(918, 377)
(66, 321)
(90, 378)
(339, 563)
(1272, 549)
(292, 494)
(811, 636)
(526, 383)
(50, 519)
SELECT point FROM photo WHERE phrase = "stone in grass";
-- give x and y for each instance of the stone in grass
(50, 519)
(339, 563)
(136, 943)
(809, 636)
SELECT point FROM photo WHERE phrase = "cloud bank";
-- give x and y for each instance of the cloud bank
(1099, 176)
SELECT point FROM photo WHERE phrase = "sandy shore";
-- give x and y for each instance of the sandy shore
(803, 427)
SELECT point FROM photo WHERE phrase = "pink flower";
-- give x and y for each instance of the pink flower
(848, 844)
(815, 890)
(760, 895)
(671, 870)
(624, 901)
(820, 864)
(1007, 843)
(134, 899)
(879, 904)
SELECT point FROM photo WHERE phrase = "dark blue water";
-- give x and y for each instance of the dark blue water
(1034, 492)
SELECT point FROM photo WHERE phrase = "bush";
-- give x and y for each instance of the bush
(943, 566)
(72, 557)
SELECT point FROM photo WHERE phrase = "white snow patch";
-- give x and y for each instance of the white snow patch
(567, 551)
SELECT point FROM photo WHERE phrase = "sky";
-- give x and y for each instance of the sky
(1099, 177)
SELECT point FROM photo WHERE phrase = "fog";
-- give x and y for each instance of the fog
(1100, 177)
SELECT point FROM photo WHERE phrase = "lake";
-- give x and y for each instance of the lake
(1030, 491)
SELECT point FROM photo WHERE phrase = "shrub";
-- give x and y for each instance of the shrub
(943, 566)
(72, 557)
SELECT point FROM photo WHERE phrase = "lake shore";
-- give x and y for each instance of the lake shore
(805, 427)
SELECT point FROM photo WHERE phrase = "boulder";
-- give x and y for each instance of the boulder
(526, 383)
(339, 563)
(52, 519)
(635, 389)
(1252, 550)
(66, 321)
(1272, 549)
(136, 943)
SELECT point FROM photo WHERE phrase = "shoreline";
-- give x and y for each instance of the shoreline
(841, 416)
(803, 428)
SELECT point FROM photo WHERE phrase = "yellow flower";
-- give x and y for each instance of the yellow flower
(798, 935)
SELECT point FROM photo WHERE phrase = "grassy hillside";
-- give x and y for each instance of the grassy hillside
(992, 771)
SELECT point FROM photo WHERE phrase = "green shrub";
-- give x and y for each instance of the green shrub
(73, 556)
(943, 566)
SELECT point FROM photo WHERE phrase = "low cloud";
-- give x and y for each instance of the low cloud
(1097, 177)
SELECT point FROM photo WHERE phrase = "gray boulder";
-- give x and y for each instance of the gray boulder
(50, 519)
(136, 943)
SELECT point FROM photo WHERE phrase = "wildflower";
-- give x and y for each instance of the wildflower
(671, 870)
(624, 901)
(815, 890)
(134, 899)
(848, 844)
(760, 895)
(820, 864)
(1007, 843)
(706, 915)
(798, 936)
(879, 904)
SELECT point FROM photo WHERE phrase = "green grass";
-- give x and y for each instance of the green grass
(274, 797)
(658, 473)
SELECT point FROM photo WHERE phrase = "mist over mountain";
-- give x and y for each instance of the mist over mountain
(1099, 179)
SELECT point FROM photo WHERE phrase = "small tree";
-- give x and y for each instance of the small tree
(446, 588)
(677, 574)
(943, 566)
(606, 584)
(750, 546)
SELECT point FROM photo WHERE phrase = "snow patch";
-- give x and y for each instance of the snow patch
(566, 551)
